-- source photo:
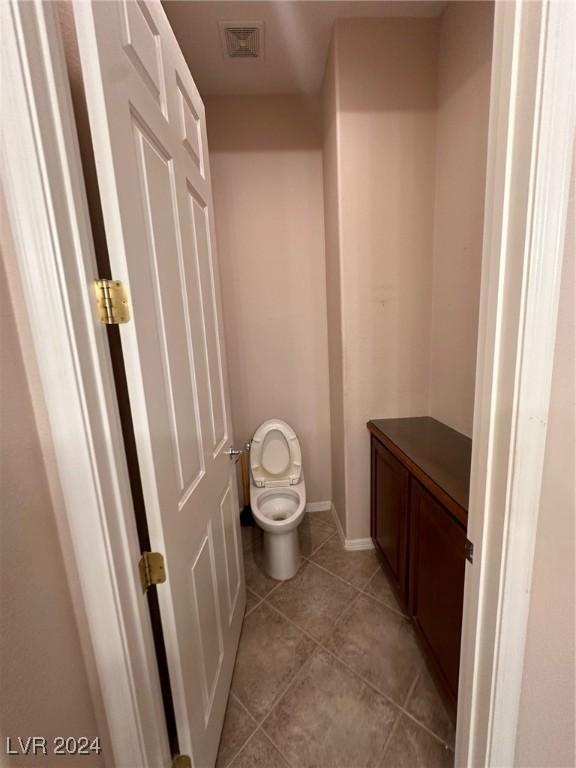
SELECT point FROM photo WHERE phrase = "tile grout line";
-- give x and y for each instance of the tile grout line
(277, 748)
(313, 552)
(337, 576)
(392, 608)
(334, 575)
(441, 741)
(395, 726)
(412, 688)
(242, 705)
(258, 603)
(274, 588)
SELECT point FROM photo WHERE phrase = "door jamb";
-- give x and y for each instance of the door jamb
(523, 238)
(48, 213)
(530, 144)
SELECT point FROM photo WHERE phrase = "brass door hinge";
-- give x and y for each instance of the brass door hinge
(151, 568)
(112, 302)
(181, 761)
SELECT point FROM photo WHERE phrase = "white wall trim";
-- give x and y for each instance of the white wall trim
(532, 124)
(351, 545)
(356, 545)
(318, 506)
(45, 198)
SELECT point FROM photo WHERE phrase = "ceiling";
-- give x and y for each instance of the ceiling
(296, 39)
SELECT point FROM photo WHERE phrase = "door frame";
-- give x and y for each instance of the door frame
(530, 142)
(48, 214)
(530, 145)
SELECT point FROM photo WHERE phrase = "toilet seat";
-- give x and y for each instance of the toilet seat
(275, 455)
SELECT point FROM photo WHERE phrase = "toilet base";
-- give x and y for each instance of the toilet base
(281, 554)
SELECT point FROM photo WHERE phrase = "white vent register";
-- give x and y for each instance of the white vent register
(242, 39)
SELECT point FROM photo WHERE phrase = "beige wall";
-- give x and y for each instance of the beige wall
(44, 686)
(266, 164)
(546, 728)
(386, 83)
(464, 61)
(406, 116)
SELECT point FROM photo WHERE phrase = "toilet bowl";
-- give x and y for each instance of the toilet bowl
(277, 495)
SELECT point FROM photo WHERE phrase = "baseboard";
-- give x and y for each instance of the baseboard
(355, 545)
(318, 506)
(351, 545)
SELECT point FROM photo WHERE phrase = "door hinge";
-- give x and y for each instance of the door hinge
(112, 302)
(181, 761)
(152, 570)
(469, 551)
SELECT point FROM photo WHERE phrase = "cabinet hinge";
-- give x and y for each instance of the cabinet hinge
(151, 568)
(112, 302)
(181, 761)
(469, 551)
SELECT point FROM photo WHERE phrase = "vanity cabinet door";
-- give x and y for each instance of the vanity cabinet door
(437, 563)
(389, 502)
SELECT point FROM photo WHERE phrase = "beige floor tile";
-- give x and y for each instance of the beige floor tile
(413, 747)
(259, 753)
(355, 567)
(248, 532)
(330, 719)
(427, 706)
(314, 599)
(270, 653)
(325, 516)
(256, 577)
(312, 533)
(238, 726)
(380, 588)
(378, 644)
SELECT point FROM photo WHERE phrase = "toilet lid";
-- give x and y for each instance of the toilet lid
(275, 456)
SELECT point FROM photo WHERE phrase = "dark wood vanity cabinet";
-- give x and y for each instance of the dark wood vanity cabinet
(390, 494)
(437, 559)
(420, 474)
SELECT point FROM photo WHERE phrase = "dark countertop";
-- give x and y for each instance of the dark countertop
(441, 453)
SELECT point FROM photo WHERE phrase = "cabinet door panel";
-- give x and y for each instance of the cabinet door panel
(390, 489)
(437, 561)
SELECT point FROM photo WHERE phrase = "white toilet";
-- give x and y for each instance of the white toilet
(278, 495)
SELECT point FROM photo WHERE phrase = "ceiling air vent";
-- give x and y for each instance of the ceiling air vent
(242, 39)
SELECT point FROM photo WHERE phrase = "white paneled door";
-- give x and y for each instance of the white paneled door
(149, 137)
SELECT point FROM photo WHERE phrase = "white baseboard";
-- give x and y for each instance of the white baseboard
(355, 545)
(318, 506)
(351, 545)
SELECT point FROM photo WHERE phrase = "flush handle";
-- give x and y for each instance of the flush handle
(234, 454)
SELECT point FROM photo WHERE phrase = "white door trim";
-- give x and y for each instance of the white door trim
(45, 197)
(531, 135)
(521, 268)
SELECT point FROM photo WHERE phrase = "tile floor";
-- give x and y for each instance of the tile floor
(328, 673)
